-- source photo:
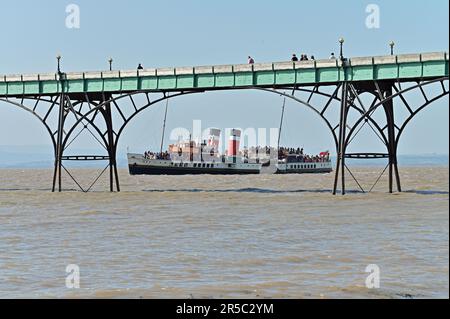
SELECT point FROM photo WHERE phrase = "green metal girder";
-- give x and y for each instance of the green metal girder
(319, 73)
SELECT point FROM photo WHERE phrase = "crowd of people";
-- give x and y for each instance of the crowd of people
(303, 57)
(299, 156)
(261, 153)
(294, 58)
(157, 156)
(285, 152)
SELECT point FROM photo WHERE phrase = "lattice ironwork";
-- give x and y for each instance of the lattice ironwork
(93, 113)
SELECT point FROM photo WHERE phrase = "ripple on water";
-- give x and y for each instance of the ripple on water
(225, 237)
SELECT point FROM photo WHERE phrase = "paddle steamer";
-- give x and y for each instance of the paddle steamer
(189, 157)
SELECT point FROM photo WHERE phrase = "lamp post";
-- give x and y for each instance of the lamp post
(110, 63)
(341, 42)
(392, 44)
(58, 58)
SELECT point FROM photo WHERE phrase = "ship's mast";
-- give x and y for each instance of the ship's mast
(164, 126)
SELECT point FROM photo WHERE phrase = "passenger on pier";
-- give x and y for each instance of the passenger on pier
(332, 56)
(250, 60)
(294, 58)
(140, 67)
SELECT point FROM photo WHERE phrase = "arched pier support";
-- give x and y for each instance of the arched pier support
(105, 118)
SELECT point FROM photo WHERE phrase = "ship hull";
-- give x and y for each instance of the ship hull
(139, 165)
(152, 170)
(305, 168)
(305, 171)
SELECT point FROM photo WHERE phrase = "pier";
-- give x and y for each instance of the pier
(88, 100)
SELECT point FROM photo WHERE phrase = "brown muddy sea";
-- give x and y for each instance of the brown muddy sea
(224, 237)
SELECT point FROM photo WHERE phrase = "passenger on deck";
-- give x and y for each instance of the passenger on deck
(250, 60)
(332, 56)
(312, 58)
(294, 58)
(140, 67)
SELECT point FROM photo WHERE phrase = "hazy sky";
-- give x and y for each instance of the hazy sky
(187, 32)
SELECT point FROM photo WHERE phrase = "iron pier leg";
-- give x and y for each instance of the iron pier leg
(390, 128)
(112, 150)
(340, 165)
(59, 150)
(392, 146)
(397, 174)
